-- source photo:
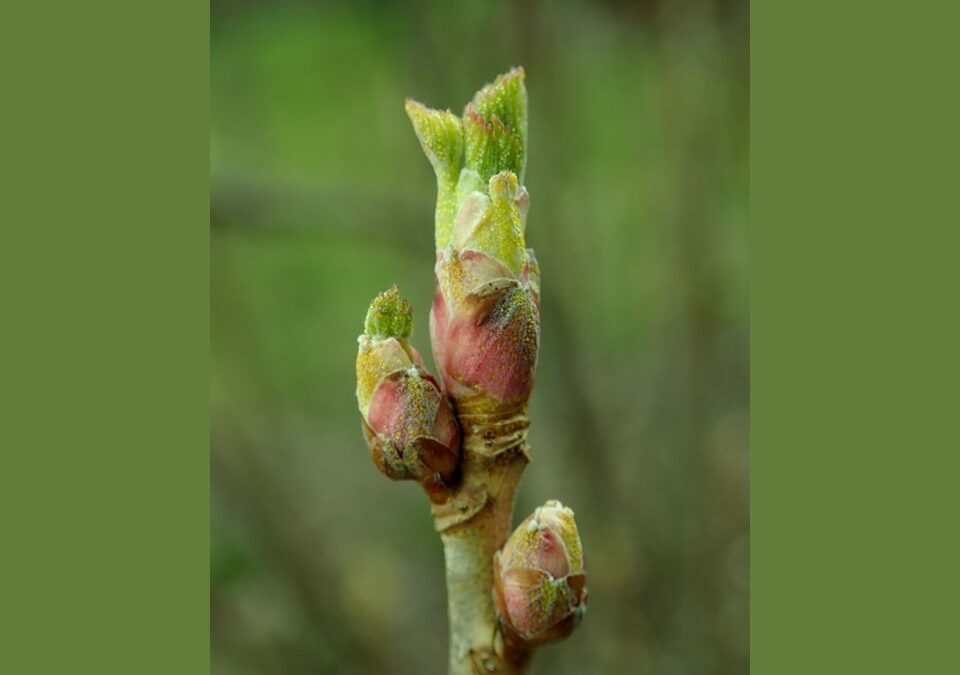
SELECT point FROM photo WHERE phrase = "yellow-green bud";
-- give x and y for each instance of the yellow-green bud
(389, 316)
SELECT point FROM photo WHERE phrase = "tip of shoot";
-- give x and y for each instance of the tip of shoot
(389, 315)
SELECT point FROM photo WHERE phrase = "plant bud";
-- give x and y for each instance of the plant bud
(485, 321)
(485, 330)
(407, 421)
(539, 577)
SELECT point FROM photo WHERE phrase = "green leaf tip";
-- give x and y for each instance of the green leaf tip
(440, 133)
(389, 315)
(495, 127)
(489, 139)
(441, 136)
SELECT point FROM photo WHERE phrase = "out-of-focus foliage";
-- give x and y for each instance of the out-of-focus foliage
(321, 197)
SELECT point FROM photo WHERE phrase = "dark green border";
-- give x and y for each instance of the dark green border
(104, 289)
(854, 387)
(104, 443)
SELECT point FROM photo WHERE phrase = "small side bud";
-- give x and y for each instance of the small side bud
(539, 577)
(411, 428)
(408, 422)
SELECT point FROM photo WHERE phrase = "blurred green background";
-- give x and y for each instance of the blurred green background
(321, 197)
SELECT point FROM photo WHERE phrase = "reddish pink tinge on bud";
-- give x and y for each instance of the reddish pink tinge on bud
(539, 578)
(485, 328)
(408, 405)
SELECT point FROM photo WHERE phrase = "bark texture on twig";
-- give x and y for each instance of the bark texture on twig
(474, 525)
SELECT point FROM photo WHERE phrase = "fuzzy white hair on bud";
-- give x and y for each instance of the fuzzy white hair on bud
(557, 505)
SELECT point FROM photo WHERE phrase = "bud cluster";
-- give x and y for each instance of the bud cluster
(485, 334)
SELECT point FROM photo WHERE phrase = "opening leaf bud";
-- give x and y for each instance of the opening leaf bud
(408, 422)
(539, 577)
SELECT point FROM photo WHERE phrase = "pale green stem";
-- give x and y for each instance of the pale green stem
(476, 645)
